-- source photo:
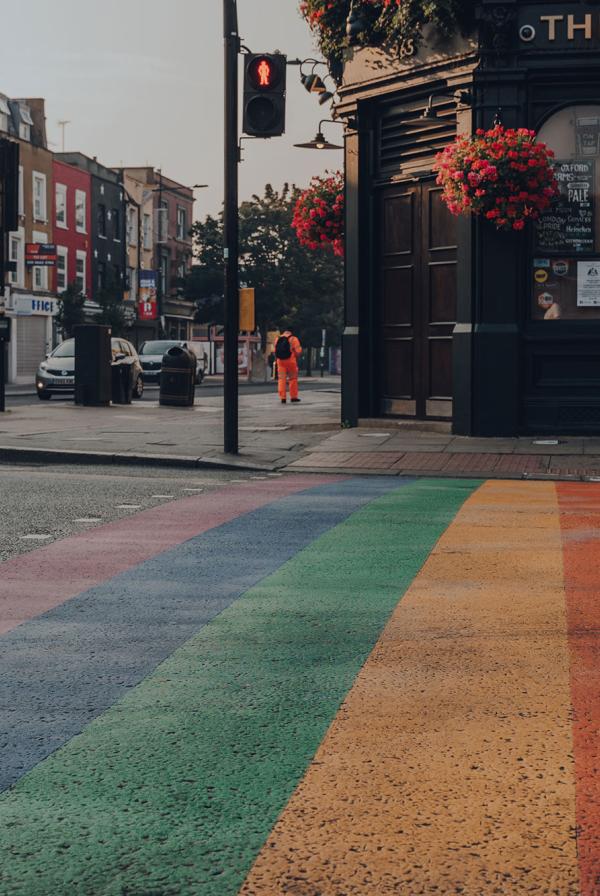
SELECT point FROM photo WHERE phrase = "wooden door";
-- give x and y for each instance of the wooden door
(417, 301)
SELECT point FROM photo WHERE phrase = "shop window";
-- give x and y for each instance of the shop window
(565, 269)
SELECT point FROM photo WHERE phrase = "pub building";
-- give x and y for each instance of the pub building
(448, 318)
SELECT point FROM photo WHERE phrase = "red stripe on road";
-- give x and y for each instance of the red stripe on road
(34, 583)
(579, 505)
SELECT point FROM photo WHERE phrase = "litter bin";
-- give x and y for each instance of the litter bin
(177, 377)
(122, 383)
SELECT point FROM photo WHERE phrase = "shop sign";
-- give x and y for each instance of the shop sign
(25, 306)
(569, 225)
(40, 255)
(588, 284)
(571, 26)
(148, 297)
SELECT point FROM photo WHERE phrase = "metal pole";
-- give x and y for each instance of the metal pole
(3, 259)
(231, 227)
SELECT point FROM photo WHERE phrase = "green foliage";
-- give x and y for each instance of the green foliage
(70, 310)
(392, 23)
(290, 281)
(112, 311)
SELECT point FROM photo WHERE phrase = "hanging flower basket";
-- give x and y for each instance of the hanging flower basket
(319, 214)
(504, 175)
(397, 23)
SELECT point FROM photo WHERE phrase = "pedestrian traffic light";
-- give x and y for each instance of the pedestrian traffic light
(264, 94)
(9, 186)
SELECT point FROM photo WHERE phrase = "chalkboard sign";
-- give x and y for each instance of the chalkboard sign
(569, 225)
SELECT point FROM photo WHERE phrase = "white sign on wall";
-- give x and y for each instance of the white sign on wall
(588, 284)
(26, 306)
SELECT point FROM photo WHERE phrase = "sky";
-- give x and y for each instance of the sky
(141, 82)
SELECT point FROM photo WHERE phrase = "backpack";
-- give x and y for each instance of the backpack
(283, 349)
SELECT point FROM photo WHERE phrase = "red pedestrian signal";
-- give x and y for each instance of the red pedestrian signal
(264, 94)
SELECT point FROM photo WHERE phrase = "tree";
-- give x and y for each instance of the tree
(112, 311)
(290, 281)
(70, 310)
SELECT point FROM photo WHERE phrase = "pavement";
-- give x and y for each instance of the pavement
(271, 435)
(274, 437)
(310, 685)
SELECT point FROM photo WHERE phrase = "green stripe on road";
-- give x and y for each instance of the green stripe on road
(174, 790)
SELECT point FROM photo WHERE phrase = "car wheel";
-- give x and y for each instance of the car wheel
(138, 390)
(44, 396)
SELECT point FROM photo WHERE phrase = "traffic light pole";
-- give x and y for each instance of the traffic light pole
(231, 227)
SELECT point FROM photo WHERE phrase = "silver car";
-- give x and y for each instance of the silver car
(151, 355)
(56, 375)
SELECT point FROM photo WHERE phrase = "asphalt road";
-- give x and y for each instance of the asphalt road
(297, 684)
(208, 390)
(41, 503)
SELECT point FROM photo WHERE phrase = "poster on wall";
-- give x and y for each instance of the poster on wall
(569, 225)
(588, 284)
(148, 296)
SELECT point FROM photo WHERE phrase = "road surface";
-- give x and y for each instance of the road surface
(297, 684)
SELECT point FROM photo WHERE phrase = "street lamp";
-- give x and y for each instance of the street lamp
(319, 141)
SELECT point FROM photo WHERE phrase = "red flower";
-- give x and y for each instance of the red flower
(503, 175)
(319, 214)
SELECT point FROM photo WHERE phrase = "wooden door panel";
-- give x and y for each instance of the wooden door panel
(440, 368)
(442, 292)
(398, 292)
(442, 225)
(399, 369)
(398, 224)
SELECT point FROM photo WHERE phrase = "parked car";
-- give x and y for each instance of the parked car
(56, 375)
(151, 355)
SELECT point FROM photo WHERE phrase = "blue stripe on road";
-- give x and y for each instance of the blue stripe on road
(61, 670)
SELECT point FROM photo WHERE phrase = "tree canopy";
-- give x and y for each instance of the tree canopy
(292, 283)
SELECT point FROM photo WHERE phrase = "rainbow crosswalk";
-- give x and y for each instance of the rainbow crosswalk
(311, 685)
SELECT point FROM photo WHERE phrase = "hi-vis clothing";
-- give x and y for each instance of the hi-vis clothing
(288, 369)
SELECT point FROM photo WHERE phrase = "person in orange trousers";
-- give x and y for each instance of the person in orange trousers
(287, 352)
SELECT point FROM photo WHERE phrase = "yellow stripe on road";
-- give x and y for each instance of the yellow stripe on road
(448, 769)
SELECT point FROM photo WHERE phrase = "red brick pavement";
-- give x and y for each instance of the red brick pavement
(434, 461)
(472, 463)
(373, 460)
(522, 463)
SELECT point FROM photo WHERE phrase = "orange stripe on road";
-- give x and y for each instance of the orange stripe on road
(448, 768)
(580, 521)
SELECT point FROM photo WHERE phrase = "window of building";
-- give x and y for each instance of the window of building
(21, 193)
(101, 275)
(116, 224)
(39, 197)
(163, 221)
(62, 255)
(181, 223)
(132, 230)
(131, 285)
(17, 258)
(164, 274)
(565, 267)
(61, 205)
(40, 274)
(147, 231)
(25, 123)
(80, 271)
(80, 211)
(4, 114)
(101, 219)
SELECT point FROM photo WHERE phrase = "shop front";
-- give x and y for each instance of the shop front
(449, 318)
(31, 334)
